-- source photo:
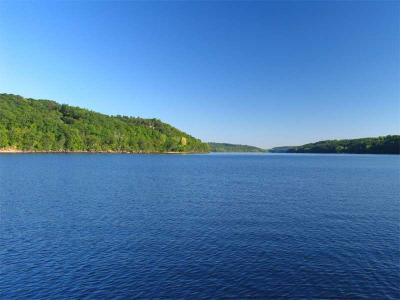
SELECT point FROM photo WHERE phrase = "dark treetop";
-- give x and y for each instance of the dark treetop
(389, 144)
(224, 147)
(44, 125)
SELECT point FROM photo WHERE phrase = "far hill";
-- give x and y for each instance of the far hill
(281, 149)
(389, 144)
(44, 125)
(225, 147)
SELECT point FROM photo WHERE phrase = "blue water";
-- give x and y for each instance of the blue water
(106, 226)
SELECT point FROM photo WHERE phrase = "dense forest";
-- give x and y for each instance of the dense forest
(389, 144)
(224, 147)
(44, 125)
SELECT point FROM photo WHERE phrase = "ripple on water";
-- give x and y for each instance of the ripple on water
(199, 226)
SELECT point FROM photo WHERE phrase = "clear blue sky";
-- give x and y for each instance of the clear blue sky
(259, 73)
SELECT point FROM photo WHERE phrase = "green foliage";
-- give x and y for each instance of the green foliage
(224, 147)
(3, 137)
(43, 125)
(389, 144)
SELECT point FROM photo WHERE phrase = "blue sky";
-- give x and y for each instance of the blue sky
(259, 73)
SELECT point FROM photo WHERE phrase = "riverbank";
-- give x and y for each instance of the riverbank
(19, 151)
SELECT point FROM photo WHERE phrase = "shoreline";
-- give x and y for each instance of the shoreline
(17, 151)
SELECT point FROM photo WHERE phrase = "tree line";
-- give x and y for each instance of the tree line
(389, 144)
(225, 147)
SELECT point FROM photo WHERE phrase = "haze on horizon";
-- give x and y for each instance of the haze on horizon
(259, 73)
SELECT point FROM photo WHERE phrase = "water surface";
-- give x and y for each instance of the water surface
(199, 226)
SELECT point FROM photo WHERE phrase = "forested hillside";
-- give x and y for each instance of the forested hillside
(389, 144)
(225, 147)
(43, 125)
(281, 149)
